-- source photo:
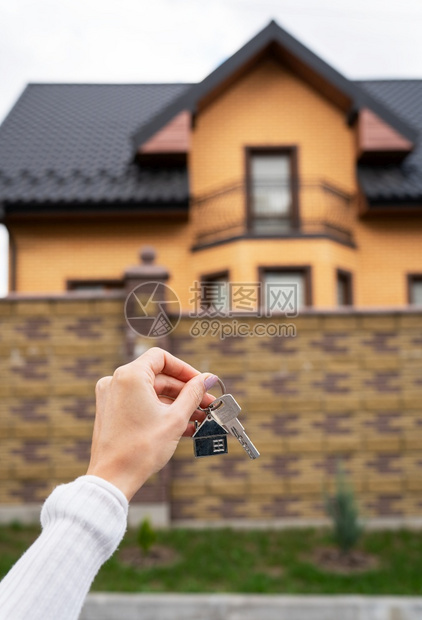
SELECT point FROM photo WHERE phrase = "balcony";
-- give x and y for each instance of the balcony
(310, 209)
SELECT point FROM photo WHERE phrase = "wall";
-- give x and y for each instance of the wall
(347, 386)
(52, 353)
(388, 250)
(50, 253)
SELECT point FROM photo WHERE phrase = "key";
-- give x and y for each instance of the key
(224, 410)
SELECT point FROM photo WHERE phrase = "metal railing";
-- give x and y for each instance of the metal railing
(274, 209)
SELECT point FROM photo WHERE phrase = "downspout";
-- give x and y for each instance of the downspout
(13, 260)
(12, 251)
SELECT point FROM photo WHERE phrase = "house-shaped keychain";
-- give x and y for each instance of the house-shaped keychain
(209, 438)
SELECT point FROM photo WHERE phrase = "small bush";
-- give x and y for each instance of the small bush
(146, 536)
(342, 509)
(16, 526)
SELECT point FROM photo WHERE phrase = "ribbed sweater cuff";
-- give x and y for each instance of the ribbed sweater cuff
(93, 504)
(83, 522)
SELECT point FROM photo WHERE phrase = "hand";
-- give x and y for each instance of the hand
(137, 424)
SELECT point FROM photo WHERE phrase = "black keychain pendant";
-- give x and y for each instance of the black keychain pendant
(209, 438)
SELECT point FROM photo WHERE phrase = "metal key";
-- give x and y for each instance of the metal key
(224, 410)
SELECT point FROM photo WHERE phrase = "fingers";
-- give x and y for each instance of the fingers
(192, 394)
(168, 386)
(197, 415)
(162, 362)
(171, 387)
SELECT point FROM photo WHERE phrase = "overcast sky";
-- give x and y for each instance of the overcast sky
(183, 40)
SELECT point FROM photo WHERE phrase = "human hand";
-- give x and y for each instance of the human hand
(137, 425)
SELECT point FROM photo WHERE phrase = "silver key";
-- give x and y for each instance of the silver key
(224, 410)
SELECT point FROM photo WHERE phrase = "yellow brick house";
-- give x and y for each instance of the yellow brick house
(274, 167)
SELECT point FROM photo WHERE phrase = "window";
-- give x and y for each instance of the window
(95, 285)
(272, 191)
(414, 285)
(344, 288)
(285, 289)
(215, 293)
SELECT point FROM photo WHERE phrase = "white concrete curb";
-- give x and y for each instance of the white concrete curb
(248, 607)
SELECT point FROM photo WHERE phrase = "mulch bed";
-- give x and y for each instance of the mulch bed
(333, 560)
(158, 556)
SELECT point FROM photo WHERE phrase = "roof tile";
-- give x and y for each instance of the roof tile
(71, 143)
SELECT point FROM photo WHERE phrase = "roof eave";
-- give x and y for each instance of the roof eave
(20, 210)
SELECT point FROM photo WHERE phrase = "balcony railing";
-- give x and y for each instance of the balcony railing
(316, 209)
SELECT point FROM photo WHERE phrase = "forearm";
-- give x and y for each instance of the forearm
(83, 522)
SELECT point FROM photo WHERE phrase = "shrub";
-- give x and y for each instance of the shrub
(342, 509)
(146, 536)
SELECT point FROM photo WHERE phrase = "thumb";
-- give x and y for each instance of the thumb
(193, 392)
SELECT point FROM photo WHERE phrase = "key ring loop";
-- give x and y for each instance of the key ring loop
(223, 390)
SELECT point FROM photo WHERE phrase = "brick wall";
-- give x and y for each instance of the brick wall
(347, 386)
(52, 353)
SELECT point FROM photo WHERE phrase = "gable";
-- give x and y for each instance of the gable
(270, 106)
(293, 54)
(274, 52)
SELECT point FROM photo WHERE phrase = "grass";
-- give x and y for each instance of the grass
(266, 562)
(14, 540)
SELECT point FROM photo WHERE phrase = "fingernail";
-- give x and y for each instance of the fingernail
(210, 381)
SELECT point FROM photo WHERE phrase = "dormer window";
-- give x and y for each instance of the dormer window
(272, 190)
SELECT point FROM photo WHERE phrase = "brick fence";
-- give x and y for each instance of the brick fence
(348, 386)
(52, 353)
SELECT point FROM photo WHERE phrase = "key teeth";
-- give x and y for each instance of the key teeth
(228, 421)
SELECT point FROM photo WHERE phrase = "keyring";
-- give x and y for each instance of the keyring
(223, 389)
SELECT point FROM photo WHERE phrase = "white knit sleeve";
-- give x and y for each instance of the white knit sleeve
(82, 524)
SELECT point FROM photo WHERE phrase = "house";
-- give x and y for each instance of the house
(209, 439)
(274, 168)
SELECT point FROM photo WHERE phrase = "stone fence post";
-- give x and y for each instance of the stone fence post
(145, 302)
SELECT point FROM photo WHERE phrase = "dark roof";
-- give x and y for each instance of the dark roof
(400, 182)
(273, 34)
(71, 143)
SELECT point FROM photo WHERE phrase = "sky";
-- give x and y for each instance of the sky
(131, 41)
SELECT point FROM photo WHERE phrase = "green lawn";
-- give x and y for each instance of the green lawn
(252, 561)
